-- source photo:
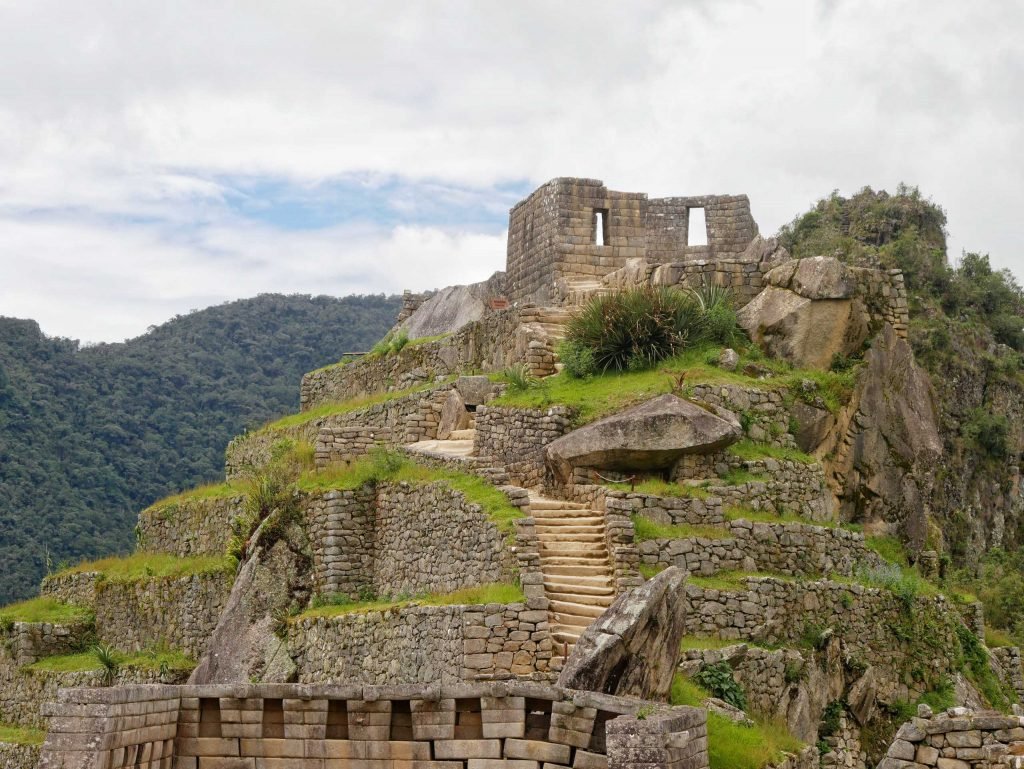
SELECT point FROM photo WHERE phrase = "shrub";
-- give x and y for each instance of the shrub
(109, 663)
(577, 359)
(519, 377)
(634, 329)
(718, 681)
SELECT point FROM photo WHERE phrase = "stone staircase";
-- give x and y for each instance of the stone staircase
(579, 289)
(458, 445)
(578, 577)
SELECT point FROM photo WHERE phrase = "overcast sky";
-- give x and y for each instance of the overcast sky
(157, 157)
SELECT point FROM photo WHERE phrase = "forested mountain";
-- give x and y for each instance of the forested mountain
(88, 436)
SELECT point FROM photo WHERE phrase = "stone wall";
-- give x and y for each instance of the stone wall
(14, 756)
(179, 612)
(488, 344)
(23, 691)
(27, 642)
(794, 549)
(515, 438)
(764, 411)
(553, 234)
(423, 644)
(189, 526)
(957, 739)
(463, 726)
(876, 627)
(676, 511)
(403, 419)
(402, 538)
(1009, 667)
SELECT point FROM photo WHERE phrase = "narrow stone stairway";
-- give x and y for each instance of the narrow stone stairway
(459, 444)
(578, 577)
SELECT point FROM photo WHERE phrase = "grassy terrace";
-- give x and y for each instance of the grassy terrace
(606, 394)
(734, 746)
(396, 468)
(335, 606)
(658, 488)
(353, 404)
(209, 491)
(146, 565)
(153, 659)
(19, 735)
(44, 609)
(750, 451)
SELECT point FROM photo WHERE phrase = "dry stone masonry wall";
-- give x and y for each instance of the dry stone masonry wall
(189, 526)
(423, 644)
(572, 229)
(179, 612)
(958, 739)
(515, 438)
(457, 726)
(404, 539)
(876, 625)
(14, 756)
(793, 549)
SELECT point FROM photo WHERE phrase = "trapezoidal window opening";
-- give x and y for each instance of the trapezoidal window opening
(601, 227)
(696, 227)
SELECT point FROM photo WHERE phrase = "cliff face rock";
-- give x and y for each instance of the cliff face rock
(886, 465)
(807, 313)
(633, 648)
(650, 436)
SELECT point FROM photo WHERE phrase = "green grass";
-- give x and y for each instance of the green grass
(658, 488)
(735, 746)
(44, 609)
(422, 340)
(371, 470)
(649, 570)
(497, 592)
(605, 394)
(749, 451)
(738, 477)
(152, 659)
(692, 642)
(733, 580)
(209, 491)
(645, 529)
(889, 548)
(353, 404)
(19, 735)
(146, 565)
(996, 638)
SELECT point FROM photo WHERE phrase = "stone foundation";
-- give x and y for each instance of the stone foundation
(460, 726)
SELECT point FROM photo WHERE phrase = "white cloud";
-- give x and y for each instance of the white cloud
(118, 119)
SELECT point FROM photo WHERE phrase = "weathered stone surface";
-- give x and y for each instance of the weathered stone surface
(813, 425)
(649, 436)
(887, 466)
(807, 332)
(448, 310)
(632, 649)
(475, 390)
(862, 695)
(819, 277)
(453, 415)
(729, 359)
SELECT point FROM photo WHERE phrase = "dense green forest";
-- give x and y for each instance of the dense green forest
(88, 436)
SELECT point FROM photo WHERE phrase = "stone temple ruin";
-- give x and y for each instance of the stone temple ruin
(570, 233)
(339, 641)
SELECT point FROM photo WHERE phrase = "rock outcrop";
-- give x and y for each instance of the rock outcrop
(808, 312)
(633, 648)
(650, 436)
(892, 448)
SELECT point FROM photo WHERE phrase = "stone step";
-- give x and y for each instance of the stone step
(462, 435)
(446, 448)
(563, 636)
(544, 523)
(568, 529)
(592, 541)
(572, 534)
(582, 622)
(572, 558)
(570, 516)
(582, 606)
(543, 503)
(602, 580)
(565, 588)
(576, 569)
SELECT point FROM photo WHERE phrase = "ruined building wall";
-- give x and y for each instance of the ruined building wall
(553, 234)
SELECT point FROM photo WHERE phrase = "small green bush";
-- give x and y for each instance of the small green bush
(578, 360)
(632, 330)
(519, 378)
(718, 680)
